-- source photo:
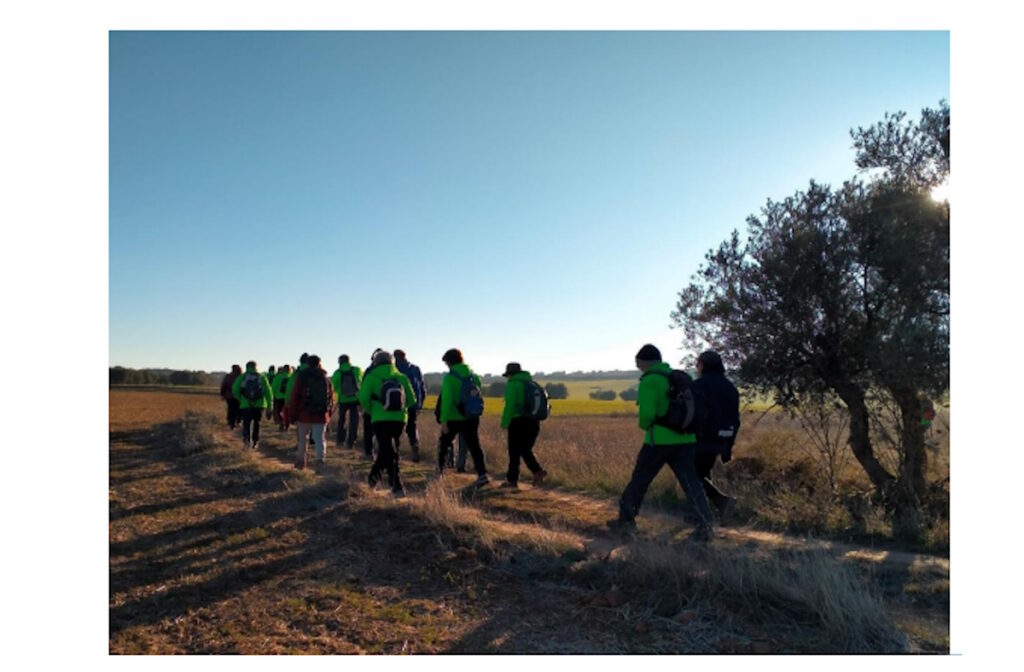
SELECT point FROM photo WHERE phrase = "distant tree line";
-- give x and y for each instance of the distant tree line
(120, 375)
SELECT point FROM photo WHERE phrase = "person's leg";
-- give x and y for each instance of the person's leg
(278, 407)
(460, 461)
(319, 431)
(515, 442)
(531, 429)
(339, 437)
(383, 453)
(353, 423)
(233, 412)
(649, 462)
(683, 464)
(471, 430)
(394, 435)
(704, 462)
(367, 436)
(246, 425)
(257, 416)
(445, 445)
(413, 433)
(301, 429)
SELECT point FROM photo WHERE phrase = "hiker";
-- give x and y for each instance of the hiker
(415, 376)
(387, 396)
(280, 384)
(303, 365)
(270, 374)
(722, 425)
(461, 407)
(522, 420)
(225, 394)
(310, 403)
(449, 459)
(346, 380)
(661, 446)
(367, 418)
(252, 390)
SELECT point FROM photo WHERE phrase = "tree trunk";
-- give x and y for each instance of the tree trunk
(860, 437)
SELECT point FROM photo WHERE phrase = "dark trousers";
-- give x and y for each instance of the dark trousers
(367, 435)
(234, 413)
(251, 424)
(707, 453)
(278, 412)
(682, 460)
(468, 430)
(388, 434)
(522, 434)
(348, 413)
(411, 431)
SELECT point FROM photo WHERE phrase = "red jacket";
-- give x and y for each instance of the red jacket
(225, 386)
(295, 412)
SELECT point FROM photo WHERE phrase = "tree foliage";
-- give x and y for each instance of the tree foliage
(843, 291)
(557, 391)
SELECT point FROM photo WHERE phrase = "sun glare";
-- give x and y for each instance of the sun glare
(940, 193)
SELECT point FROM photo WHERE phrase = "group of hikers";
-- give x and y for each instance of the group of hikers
(688, 424)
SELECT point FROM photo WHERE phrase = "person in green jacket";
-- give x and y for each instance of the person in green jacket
(270, 374)
(252, 390)
(346, 380)
(456, 419)
(387, 396)
(280, 385)
(661, 446)
(522, 429)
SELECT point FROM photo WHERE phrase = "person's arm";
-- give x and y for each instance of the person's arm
(449, 392)
(646, 399)
(268, 393)
(236, 388)
(365, 394)
(410, 395)
(510, 404)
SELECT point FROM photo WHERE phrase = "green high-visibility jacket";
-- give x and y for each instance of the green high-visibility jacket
(450, 387)
(369, 393)
(336, 382)
(291, 381)
(515, 393)
(266, 401)
(652, 398)
(281, 377)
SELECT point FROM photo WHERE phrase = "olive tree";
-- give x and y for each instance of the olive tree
(844, 292)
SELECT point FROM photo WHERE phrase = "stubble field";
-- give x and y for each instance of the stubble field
(216, 549)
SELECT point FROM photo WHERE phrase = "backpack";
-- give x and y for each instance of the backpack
(252, 387)
(687, 406)
(316, 398)
(535, 401)
(392, 395)
(471, 402)
(348, 383)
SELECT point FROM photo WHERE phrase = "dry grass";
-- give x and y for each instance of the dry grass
(216, 550)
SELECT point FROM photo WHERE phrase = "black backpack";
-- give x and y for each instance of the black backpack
(252, 387)
(316, 398)
(392, 395)
(687, 406)
(348, 383)
(535, 401)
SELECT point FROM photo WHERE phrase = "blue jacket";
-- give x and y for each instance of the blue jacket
(412, 372)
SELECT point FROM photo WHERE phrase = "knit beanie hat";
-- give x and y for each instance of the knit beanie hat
(649, 353)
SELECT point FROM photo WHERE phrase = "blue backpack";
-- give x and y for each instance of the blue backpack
(471, 402)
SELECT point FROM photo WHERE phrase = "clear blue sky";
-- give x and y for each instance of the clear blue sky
(538, 197)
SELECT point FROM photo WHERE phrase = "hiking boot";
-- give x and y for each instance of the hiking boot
(373, 480)
(703, 533)
(622, 525)
(300, 463)
(398, 494)
(255, 445)
(460, 470)
(415, 453)
(319, 466)
(481, 481)
(508, 485)
(539, 477)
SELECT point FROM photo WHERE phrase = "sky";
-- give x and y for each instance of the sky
(531, 196)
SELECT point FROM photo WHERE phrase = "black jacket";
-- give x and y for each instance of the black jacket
(723, 412)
